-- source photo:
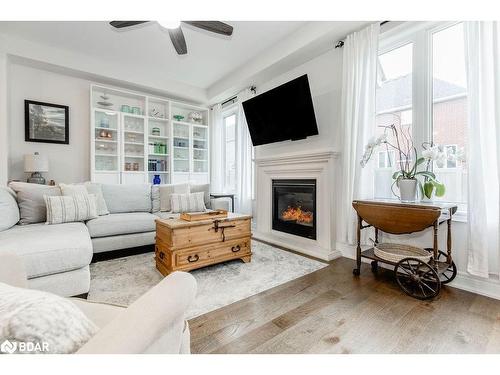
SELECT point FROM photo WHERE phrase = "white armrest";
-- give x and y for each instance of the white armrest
(152, 324)
(12, 270)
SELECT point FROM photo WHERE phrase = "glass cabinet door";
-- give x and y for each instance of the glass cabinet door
(181, 147)
(106, 149)
(200, 149)
(133, 143)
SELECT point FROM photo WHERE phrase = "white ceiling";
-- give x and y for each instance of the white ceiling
(148, 47)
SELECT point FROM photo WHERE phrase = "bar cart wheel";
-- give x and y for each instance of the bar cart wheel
(450, 273)
(374, 265)
(417, 278)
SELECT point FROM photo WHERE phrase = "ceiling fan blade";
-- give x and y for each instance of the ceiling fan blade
(213, 26)
(177, 37)
(122, 24)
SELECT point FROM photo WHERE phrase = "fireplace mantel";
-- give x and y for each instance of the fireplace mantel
(318, 165)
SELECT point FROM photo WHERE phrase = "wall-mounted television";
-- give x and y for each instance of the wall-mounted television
(283, 113)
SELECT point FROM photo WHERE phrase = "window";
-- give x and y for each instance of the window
(386, 159)
(427, 100)
(229, 144)
(394, 106)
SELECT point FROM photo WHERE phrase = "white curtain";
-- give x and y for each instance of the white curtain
(483, 156)
(358, 123)
(243, 159)
(216, 149)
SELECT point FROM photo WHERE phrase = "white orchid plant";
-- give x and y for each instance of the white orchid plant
(409, 162)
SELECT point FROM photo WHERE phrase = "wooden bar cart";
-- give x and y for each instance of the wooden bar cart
(417, 278)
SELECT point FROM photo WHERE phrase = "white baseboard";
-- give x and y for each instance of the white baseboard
(464, 281)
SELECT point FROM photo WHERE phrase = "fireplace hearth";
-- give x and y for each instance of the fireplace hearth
(294, 207)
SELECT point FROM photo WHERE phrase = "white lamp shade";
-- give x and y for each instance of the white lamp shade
(36, 163)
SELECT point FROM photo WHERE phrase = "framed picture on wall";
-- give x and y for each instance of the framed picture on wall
(46, 122)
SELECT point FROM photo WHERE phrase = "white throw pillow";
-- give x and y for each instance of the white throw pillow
(67, 209)
(187, 202)
(167, 190)
(44, 320)
(8, 208)
(87, 188)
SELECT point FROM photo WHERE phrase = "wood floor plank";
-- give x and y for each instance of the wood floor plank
(330, 311)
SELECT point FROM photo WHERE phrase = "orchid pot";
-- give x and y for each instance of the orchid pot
(407, 189)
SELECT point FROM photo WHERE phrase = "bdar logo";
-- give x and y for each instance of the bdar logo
(8, 347)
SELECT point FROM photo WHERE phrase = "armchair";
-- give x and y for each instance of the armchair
(155, 323)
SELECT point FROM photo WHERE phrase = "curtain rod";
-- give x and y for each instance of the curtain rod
(340, 43)
(252, 88)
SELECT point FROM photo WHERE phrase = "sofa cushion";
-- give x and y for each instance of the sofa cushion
(117, 224)
(87, 188)
(167, 190)
(205, 188)
(49, 249)
(30, 200)
(8, 208)
(155, 198)
(127, 198)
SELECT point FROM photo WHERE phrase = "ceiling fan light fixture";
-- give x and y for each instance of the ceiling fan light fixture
(169, 24)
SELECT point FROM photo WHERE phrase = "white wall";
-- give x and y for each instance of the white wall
(67, 163)
(325, 79)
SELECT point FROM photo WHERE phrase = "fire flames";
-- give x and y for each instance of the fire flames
(297, 214)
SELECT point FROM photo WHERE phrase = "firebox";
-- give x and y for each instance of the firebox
(294, 207)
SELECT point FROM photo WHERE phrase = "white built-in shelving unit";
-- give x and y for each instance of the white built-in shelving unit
(129, 148)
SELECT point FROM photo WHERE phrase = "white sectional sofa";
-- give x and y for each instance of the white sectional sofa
(57, 257)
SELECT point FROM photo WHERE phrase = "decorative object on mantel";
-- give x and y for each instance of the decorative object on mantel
(407, 176)
(178, 117)
(35, 164)
(195, 117)
(46, 122)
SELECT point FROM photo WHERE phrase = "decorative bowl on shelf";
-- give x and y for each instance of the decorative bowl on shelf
(195, 117)
(178, 117)
(155, 131)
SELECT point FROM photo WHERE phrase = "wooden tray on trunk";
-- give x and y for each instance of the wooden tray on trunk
(198, 216)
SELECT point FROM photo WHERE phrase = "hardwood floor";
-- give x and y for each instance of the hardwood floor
(330, 311)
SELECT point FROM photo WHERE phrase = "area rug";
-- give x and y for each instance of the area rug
(124, 280)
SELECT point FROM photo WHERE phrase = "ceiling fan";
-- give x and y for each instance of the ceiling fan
(175, 31)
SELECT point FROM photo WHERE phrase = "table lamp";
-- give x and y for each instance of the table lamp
(35, 164)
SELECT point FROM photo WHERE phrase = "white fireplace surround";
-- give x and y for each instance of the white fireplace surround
(319, 165)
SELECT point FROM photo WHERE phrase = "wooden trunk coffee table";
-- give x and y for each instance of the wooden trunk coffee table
(186, 245)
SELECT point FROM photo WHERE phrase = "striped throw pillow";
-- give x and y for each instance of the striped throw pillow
(187, 202)
(67, 209)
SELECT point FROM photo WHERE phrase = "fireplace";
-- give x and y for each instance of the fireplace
(294, 207)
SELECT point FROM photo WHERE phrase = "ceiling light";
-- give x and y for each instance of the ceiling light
(169, 24)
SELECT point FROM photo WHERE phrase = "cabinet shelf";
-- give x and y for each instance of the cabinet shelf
(132, 131)
(158, 154)
(134, 156)
(158, 136)
(101, 128)
(185, 123)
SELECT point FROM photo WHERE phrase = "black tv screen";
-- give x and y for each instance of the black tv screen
(283, 113)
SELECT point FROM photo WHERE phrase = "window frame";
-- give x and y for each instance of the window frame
(228, 112)
(420, 34)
